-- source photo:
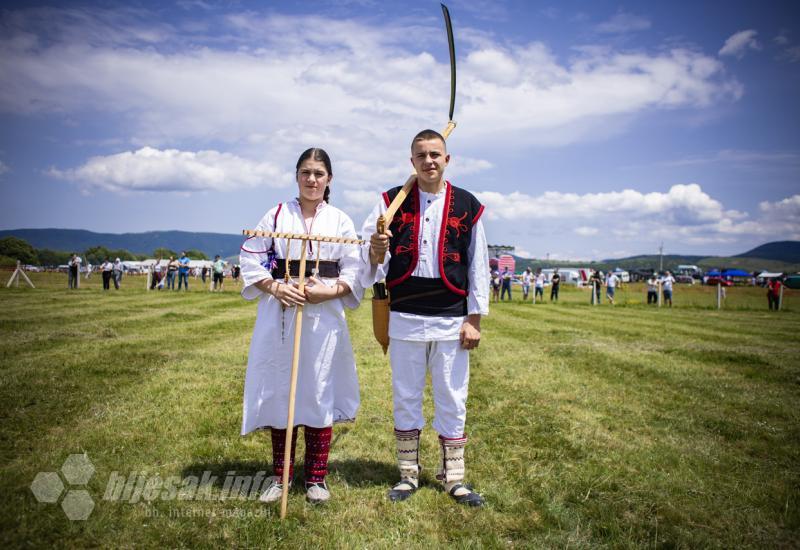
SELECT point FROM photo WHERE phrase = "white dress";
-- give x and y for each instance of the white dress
(327, 383)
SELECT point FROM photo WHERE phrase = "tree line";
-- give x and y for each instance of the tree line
(14, 248)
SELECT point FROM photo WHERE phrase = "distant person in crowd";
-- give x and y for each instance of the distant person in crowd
(327, 383)
(538, 290)
(156, 276)
(108, 272)
(774, 293)
(596, 280)
(183, 271)
(203, 273)
(555, 282)
(172, 272)
(89, 268)
(118, 269)
(652, 289)
(611, 286)
(666, 287)
(219, 272)
(506, 279)
(74, 269)
(235, 272)
(496, 283)
(527, 277)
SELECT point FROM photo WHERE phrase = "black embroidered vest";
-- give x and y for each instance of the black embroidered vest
(461, 212)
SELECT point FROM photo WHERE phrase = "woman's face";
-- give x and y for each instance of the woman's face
(312, 180)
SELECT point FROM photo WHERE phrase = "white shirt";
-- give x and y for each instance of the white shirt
(425, 328)
(540, 280)
(667, 282)
(612, 281)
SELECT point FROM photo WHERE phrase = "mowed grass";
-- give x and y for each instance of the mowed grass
(624, 426)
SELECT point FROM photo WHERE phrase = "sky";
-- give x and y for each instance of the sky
(588, 129)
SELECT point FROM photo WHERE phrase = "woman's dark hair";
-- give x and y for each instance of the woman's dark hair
(320, 156)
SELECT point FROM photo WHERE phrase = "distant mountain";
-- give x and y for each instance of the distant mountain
(783, 251)
(775, 256)
(78, 240)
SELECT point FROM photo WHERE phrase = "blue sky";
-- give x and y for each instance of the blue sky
(588, 129)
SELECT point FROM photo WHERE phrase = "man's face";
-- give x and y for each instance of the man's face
(430, 159)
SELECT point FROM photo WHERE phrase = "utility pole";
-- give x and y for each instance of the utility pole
(661, 258)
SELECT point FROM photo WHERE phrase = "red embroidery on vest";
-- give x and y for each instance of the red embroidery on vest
(404, 249)
(455, 223)
(404, 219)
(454, 256)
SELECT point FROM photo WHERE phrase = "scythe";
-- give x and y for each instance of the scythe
(380, 299)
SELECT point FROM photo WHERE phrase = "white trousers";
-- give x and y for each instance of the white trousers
(448, 363)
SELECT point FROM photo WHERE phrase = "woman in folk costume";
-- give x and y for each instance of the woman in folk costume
(327, 384)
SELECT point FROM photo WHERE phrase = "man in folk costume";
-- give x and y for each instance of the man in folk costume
(436, 268)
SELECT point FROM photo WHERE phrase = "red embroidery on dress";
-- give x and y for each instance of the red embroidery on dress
(455, 223)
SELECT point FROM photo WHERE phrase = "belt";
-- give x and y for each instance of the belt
(328, 269)
(426, 296)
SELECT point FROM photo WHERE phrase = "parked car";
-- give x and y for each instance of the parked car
(718, 280)
(686, 279)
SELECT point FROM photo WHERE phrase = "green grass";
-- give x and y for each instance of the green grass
(624, 426)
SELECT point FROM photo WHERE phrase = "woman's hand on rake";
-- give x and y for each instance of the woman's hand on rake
(317, 291)
(287, 294)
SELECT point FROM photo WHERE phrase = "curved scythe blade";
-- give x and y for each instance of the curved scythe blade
(452, 45)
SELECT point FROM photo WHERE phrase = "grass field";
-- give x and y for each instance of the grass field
(624, 426)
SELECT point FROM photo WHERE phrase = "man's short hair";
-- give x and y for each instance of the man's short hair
(425, 135)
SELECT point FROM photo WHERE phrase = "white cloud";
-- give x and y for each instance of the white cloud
(786, 210)
(586, 231)
(792, 54)
(149, 169)
(685, 215)
(740, 157)
(624, 22)
(528, 96)
(683, 203)
(3, 168)
(263, 78)
(738, 43)
(781, 39)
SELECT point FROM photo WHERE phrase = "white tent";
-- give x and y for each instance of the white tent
(623, 275)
